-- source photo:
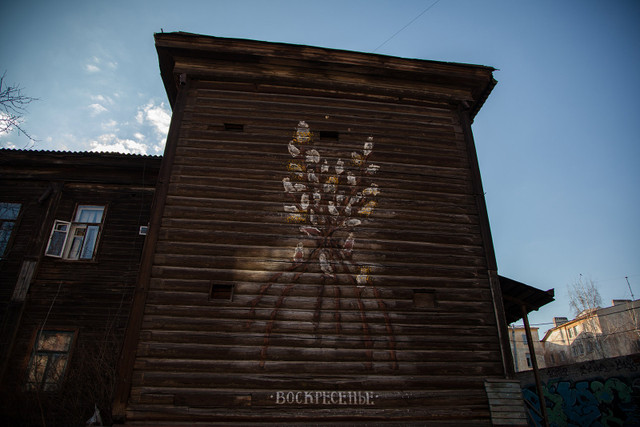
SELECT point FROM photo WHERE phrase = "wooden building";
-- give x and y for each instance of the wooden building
(319, 251)
(70, 248)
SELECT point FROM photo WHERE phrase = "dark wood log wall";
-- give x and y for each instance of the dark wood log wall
(235, 331)
(91, 297)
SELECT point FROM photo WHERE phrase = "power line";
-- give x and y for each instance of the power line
(412, 21)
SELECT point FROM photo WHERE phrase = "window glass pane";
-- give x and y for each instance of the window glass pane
(5, 234)
(90, 214)
(55, 341)
(56, 243)
(55, 370)
(49, 359)
(9, 210)
(90, 241)
(75, 245)
(37, 368)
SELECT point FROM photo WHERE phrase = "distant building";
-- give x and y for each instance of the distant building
(595, 334)
(522, 360)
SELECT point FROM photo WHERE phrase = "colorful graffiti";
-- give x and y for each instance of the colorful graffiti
(611, 402)
(328, 198)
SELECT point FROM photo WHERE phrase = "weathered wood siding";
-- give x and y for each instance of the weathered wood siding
(294, 343)
(91, 297)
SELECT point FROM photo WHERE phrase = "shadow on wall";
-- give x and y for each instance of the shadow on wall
(597, 393)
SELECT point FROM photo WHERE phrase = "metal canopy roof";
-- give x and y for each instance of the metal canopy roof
(516, 295)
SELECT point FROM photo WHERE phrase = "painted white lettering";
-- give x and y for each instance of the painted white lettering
(317, 397)
(308, 397)
(334, 394)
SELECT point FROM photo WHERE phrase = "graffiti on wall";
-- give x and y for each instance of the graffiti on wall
(328, 199)
(610, 402)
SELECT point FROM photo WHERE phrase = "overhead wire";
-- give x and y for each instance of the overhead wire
(411, 22)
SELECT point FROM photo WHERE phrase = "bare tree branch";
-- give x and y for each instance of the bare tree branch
(13, 106)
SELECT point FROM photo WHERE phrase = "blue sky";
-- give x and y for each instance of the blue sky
(557, 140)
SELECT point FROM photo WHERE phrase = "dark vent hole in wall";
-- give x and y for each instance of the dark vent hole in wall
(424, 298)
(221, 292)
(329, 135)
(234, 127)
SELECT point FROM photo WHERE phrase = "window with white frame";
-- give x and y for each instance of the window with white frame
(8, 216)
(78, 239)
(49, 359)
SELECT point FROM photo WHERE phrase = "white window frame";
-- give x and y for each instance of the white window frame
(74, 246)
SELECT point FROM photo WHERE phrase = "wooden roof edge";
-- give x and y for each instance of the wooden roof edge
(479, 78)
(520, 294)
(52, 159)
(299, 51)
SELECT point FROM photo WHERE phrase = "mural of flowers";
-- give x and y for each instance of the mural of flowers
(329, 199)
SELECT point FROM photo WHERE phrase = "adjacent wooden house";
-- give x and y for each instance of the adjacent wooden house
(319, 251)
(72, 228)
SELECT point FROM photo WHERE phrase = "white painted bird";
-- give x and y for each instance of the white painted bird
(325, 266)
(368, 146)
(348, 244)
(313, 219)
(372, 169)
(325, 167)
(288, 186)
(300, 187)
(310, 231)
(313, 156)
(353, 222)
(311, 177)
(304, 201)
(329, 188)
(291, 208)
(293, 150)
(339, 166)
(298, 253)
(332, 208)
(351, 179)
(371, 191)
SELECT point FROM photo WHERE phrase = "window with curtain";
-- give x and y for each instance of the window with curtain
(77, 240)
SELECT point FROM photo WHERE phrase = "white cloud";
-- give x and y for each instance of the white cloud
(158, 117)
(111, 143)
(101, 99)
(138, 136)
(92, 68)
(96, 109)
(9, 145)
(110, 125)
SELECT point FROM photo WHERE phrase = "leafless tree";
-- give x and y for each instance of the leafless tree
(584, 296)
(585, 300)
(13, 106)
